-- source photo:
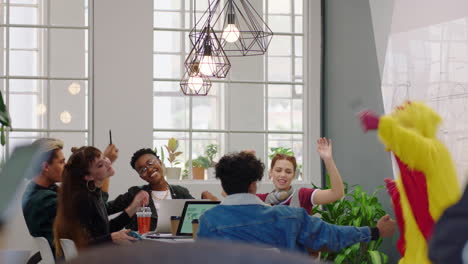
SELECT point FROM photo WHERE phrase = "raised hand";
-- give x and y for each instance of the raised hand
(324, 148)
(111, 152)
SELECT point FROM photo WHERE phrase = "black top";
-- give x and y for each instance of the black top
(39, 210)
(124, 200)
(93, 217)
(450, 234)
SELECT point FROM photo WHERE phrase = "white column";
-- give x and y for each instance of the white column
(123, 82)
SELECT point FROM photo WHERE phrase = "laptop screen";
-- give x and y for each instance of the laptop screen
(193, 210)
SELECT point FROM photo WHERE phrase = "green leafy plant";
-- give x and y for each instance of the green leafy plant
(356, 208)
(201, 162)
(280, 150)
(210, 152)
(5, 120)
(171, 147)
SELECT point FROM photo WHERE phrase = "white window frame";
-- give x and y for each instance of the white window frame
(312, 66)
(45, 132)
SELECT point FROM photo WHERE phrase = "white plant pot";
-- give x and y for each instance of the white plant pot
(211, 172)
(173, 173)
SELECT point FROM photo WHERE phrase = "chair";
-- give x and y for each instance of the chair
(45, 250)
(14, 256)
(69, 248)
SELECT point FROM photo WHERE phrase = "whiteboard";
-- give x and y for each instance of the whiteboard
(427, 59)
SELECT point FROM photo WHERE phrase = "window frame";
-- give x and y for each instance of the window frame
(44, 47)
(310, 129)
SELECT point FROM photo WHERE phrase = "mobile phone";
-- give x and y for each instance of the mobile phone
(110, 137)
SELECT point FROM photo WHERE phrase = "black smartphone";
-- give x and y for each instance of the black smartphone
(110, 137)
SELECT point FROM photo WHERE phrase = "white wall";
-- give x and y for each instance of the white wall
(123, 82)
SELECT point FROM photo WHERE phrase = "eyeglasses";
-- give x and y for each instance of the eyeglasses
(150, 164)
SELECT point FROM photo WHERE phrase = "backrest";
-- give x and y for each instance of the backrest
(45, 250)
(69, 248)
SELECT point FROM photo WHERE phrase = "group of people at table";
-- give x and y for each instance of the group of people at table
(79, 209)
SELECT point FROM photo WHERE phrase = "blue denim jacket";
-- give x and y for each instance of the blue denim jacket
(244, 217)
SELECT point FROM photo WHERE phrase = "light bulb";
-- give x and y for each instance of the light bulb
(207, 65)
(231, 33)
(65, 117)
(41, 109)
(195, 83)
(74, 88)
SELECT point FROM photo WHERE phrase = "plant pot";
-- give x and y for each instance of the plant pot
(211, 173)
(173, 173)
(198, 173)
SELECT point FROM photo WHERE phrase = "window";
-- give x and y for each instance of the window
(44, 71)
(260, 105)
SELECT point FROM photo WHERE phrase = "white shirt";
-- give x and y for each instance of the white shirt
(160, 195)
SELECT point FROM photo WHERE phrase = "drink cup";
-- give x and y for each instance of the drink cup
(144, 220)
(194, 228)
(174, 224)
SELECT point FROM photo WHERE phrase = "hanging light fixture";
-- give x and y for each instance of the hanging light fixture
(194, 83)
(244, 32)
(208, 55)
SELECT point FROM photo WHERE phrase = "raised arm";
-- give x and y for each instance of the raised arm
(410, 146)
(324, 149)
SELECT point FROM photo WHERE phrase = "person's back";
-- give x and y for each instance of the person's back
(39, 209)
(242, 216)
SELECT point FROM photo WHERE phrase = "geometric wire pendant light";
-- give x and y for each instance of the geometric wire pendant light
(207, 56)
(242, 32)
(195, 84)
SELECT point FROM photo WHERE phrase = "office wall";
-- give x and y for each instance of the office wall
(351, 83)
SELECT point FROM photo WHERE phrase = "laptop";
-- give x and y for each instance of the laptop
(168, 208)
(193, 210)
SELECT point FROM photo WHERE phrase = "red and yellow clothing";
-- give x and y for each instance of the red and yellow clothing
(427, 183)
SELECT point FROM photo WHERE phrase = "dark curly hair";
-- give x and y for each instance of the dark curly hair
(238, 170)
(140, 153)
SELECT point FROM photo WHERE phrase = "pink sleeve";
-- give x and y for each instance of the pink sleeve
(262, 196)
(305, 195)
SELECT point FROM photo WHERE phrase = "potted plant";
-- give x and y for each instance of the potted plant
(210, 151)
(198, 167)
(356, 208)
(171, 147)
(287, 152)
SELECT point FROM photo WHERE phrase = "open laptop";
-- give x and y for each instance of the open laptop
(166, 209)
(193, 210)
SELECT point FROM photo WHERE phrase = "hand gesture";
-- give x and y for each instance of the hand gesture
(111, 152)
(121, 237)
(369, 120)
(141, 199)
(387, 226)
(324, 148)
